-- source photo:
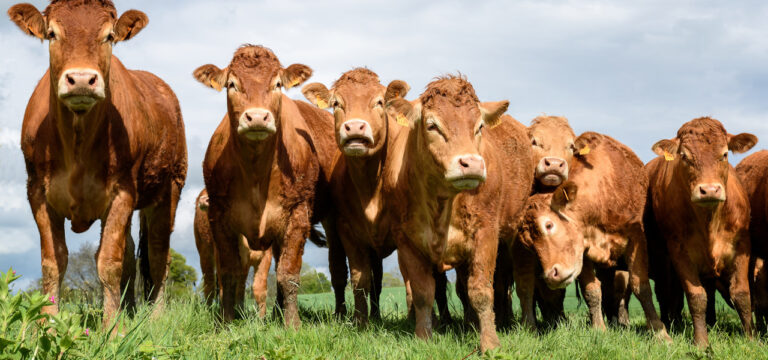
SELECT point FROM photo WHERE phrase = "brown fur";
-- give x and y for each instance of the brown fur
(593, 219)
(261, 189)
(701, 242)
(127, 152)
(436, 226)
(259, 260)
(753, 173)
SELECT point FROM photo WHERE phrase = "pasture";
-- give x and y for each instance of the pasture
(187, 329)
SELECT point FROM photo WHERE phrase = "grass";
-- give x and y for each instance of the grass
(188, 329)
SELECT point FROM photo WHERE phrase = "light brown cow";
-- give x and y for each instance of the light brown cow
(100, 141)
(701, 212)
(362, 133)
(593, 219)
(552, 141)
(753, 173)
(262, 170)
(453, 185)
(259, 260)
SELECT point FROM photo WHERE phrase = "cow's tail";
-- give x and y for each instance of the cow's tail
(143, 256)
(317, 237)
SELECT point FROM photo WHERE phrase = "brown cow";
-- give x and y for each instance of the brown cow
(552, 141)
(262, 170)
(572, 234)
(753, 173)
(259, 260)
(453, 186)
(362, 133)
(100, 141)
(700, 213)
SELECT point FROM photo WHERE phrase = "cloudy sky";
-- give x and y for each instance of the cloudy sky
(635, 70)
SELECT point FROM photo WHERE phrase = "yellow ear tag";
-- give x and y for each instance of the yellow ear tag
(215, 85)
(668, 156)
(321, 103)
(585, 150)
(295, 82)
(402, 120)
(566, 194)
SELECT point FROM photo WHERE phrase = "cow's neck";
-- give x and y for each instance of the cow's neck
(256, 157)
(365, 173)
(80, 134)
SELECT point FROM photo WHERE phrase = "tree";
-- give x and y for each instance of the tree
(390, 279)
(313, 282)
(181, 277)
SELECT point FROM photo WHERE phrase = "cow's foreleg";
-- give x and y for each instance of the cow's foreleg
(111, 254)
(739, 286)
(53, 247)
(419, 272)
(204, 244)
(229, 270)
(524, 275)
(637, 261)
(378, 272)
(696, 296)
(759, 292)
(502, 304)
(289, 263)
(480, 285)
(590, 287)
(260, 276)
(462, 290)
(360, 274)
(337, 265)
(441, 297)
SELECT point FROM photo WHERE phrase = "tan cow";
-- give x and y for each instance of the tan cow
(259, 260)
(262, 170)
(455, 181)
(753, 173)
(100, 141)
(700, 213)
(593, 219)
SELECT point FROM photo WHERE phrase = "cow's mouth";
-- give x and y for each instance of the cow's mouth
(79, 103)
(708, 202)
(467, 182)
(562, 284)
(356, 145)
(256, 133)
(551, 179)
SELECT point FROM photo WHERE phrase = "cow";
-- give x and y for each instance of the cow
(259, 260)
(753, 173)
(593, 219)
(99, 142)
(455, 181)
(262, 170)
(552, 142)
(699, 213)
(362, 128)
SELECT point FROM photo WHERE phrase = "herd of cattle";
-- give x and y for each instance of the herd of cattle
(448, 181)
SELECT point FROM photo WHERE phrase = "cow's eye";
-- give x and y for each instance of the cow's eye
(431, 126)
(534, 142)
(479, 129)
(110, 38)
(380, 103)
(725, 156)
(278, 85)
(571, 148)
(51, 35)
(336, 104)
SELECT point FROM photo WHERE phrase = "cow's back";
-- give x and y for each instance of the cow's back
(753, 174)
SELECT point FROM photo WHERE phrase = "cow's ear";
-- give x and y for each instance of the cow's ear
(564, 195)
(211, 76)
(586, 142)
(129, 24)
(317, 94)
(396, 89)
(406, 113)
(295, 74)
(741, 143)
(666, 148)
(28, 19)
(492, 111)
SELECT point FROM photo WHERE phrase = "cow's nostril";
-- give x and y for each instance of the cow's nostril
(546, 162)
(554, 272)
(266, 117)
(702, 190)
(562, 164)
(463, 163)
(346, 127)
(92, 81)
(70, 80)
(248, 117)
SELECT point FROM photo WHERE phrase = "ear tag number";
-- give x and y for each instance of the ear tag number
(402, 120)
(321, 103)
(585, 150)
(668, 156)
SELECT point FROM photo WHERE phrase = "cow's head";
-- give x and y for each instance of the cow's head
(254, 81)
(448, 121)
(80, 36)
(358, 100)
(556, 239)
(552, 141)
(700, 155)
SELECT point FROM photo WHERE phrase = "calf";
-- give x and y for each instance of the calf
(753, 173)
(259, 260)
(99, 142)
(593, 219)
(261, 171)
(700, 213)
(453, 185)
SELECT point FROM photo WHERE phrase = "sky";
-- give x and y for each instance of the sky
(635, 70)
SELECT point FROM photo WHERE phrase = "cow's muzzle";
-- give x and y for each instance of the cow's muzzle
(355, 137)
(466, 172)
(256, 124)
(80, 89)
(552, 171)
(708, 194)
(558, 277)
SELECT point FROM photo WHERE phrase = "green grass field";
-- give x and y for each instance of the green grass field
(187, 329)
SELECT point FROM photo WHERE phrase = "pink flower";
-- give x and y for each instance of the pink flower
(87, 331)
(53, 299)
(14, 272)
